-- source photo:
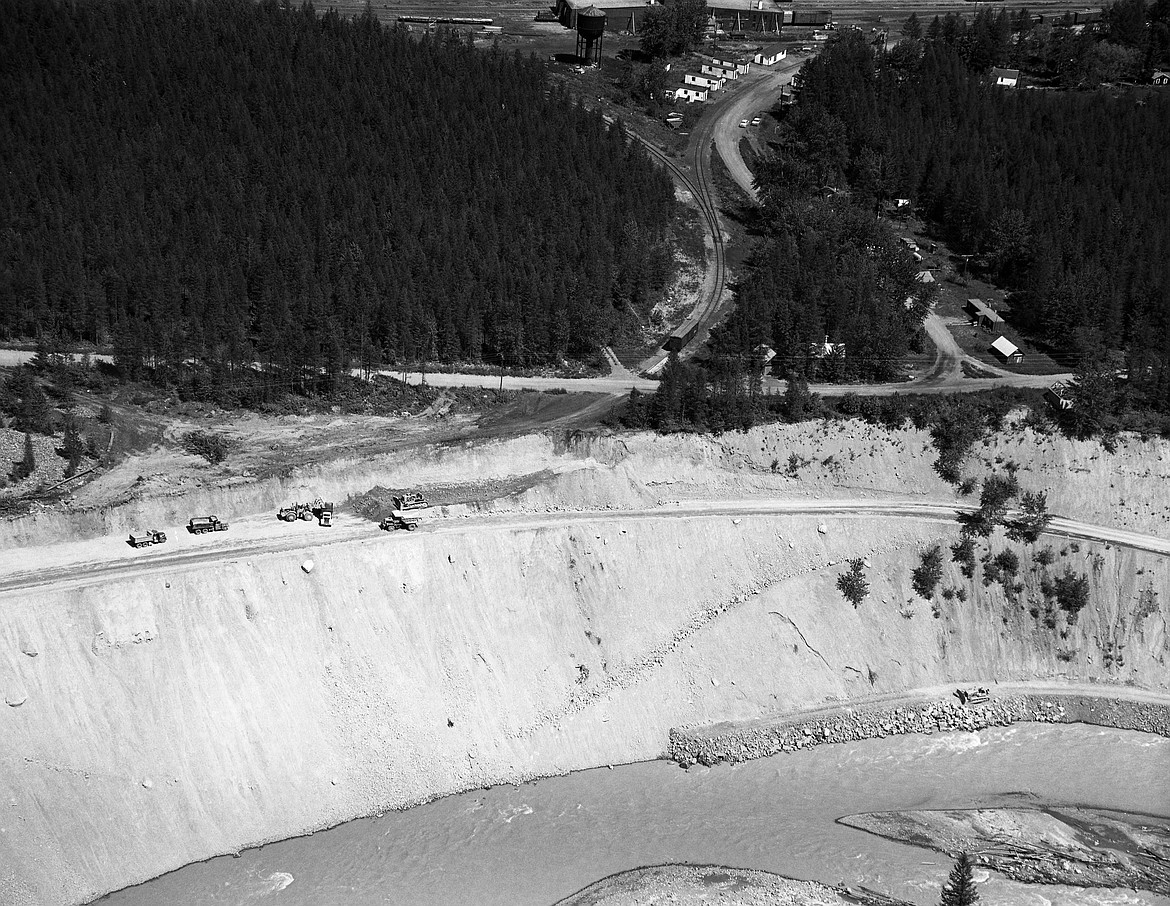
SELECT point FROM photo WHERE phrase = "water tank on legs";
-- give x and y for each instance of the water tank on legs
(590, 34)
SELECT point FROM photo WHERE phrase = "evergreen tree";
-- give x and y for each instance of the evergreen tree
(960, 887)
(28, 463)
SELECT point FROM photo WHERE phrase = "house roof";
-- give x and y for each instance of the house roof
(1005, 347)
(998, 73)
(1161, 73)
(772, 49)
(925, 277)
(990, 315)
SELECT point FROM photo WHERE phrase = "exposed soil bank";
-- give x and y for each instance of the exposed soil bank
(761, 739)
(159, 718)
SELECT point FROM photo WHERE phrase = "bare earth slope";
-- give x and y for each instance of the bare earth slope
(159, 714)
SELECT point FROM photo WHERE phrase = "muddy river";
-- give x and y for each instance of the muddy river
(539, 842)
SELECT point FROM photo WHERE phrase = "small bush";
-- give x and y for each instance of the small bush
(1072, 592)
(963, 553)
(853, 584)
(928, 573)
(1044, 557)
(215, 448)
(961, 594)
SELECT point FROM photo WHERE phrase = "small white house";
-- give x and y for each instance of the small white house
(925, 277)
(1161, 78)
(771, 55)
(690, 94)
(1007, 350)
(727, 73)
(711, 83)
(1006, 78)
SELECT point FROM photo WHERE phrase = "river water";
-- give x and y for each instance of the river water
(539, 842)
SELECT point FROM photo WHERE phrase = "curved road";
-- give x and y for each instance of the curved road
(110, 558)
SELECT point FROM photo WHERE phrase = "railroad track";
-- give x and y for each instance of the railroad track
(701, 190)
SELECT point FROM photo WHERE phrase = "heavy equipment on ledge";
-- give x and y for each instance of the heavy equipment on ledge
(396, 521)
(147, 538)
(973, 696)
(410, 500)
(323, 511)
(201, 525)
(294, 512)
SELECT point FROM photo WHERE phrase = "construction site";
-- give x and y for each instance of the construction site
(552, 612)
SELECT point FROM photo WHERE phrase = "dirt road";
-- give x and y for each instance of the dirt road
(103, 559)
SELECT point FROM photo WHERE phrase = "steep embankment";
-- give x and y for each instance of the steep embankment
(164, 719)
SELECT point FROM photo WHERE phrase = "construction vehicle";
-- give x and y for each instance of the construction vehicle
(396, 521)
(294, 512)
(201, 525)
(147, 538)
(411, 500)
(973, 696)
(323, 511)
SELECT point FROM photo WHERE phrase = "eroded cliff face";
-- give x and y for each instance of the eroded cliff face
(167, 718)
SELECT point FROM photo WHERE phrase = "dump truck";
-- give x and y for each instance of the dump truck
(396, 521)
(147, 538)
(411, 500)
(294, 512)
(201, 525)
(323, 511)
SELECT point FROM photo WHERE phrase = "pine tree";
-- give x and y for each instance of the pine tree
(28, 464)
(960, 887)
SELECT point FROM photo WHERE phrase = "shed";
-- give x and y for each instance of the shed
(770, 55)
(740, 66)
(925, 277)
(766, 353)
(690, 94)
(1007, 350)
(989, 320)
(1057, 396)
(974, 308)
(1006, 78)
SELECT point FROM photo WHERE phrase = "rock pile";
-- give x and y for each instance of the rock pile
(734, 744)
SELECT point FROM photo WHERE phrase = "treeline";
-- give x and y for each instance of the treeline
(1063, 197)
(1130, 42)
(225, 182)
(831, 287)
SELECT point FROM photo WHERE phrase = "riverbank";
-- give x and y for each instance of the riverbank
(791, 733)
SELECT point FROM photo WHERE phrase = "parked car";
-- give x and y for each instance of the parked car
(756, 121)
(743, 124)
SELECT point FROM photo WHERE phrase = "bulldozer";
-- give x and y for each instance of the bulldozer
(294, 512)
(410, 500)
(973, 696)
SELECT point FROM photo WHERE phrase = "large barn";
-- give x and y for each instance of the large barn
(621, 15)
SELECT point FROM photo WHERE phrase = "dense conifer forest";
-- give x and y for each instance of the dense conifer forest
(226, 182)
(1063, 197)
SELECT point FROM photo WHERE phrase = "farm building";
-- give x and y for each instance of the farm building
(771, 55)
(1006, 78)
(973, 308)
(1007, 350)
(621, 15)
(690, 94)
(712, 83)
(720, 72)
(1161, 78)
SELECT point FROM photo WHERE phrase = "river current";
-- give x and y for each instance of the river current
(542, 841)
